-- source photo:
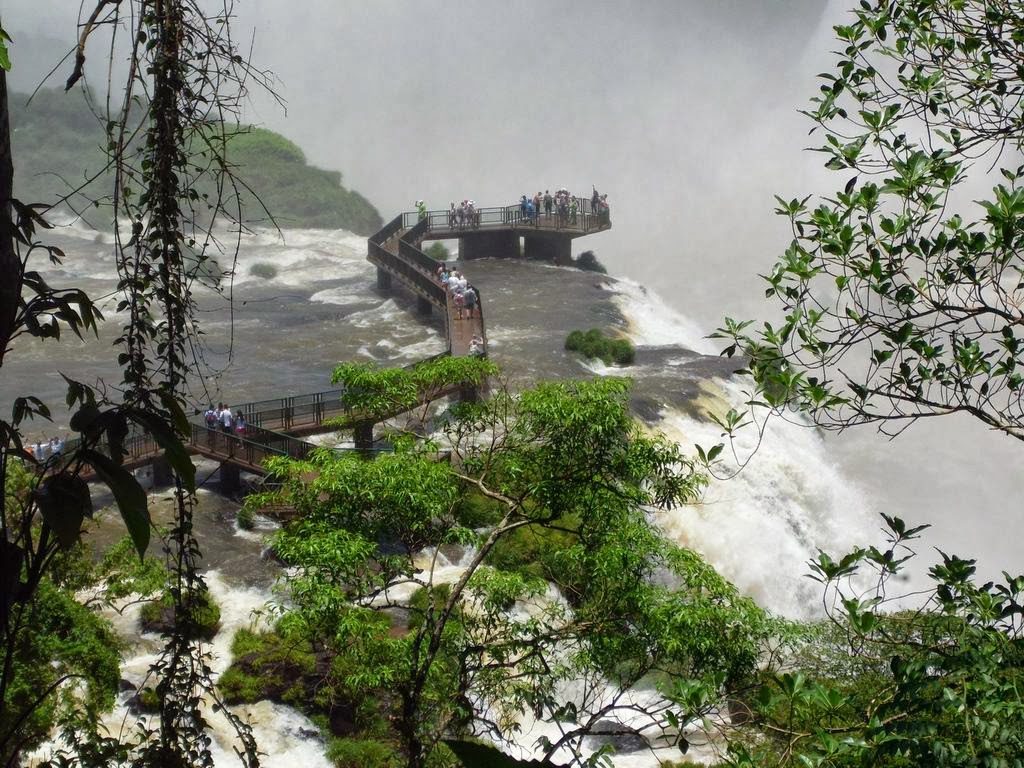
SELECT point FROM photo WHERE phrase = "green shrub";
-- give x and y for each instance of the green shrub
(268, 666)
(588, 262)
(264, 270)
(537, 552)
(594, 344)
(363, 753)
(474, 510)
(438, 251)
(147, 700)
(246, 518)
(201, 620)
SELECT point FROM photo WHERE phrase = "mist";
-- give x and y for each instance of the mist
(684, 112)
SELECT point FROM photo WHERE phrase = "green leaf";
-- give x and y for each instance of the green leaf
(131, 499)
(5, 57)
(64, 501)
(175, 451)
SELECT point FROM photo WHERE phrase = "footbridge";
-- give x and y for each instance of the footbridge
(277, 427)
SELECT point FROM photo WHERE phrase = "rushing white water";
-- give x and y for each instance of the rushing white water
(760, 526)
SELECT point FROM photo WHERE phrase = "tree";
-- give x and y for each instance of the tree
(547, 490)
(896, 306)
(166, 141)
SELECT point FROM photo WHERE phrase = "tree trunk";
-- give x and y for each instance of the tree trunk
(10, 265)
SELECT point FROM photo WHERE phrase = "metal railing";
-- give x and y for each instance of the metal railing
(584, 219)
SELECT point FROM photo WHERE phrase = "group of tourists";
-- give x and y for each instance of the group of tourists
(463, 295)
(45, 449)
(223, 419)
(465, 214)
(561, 204)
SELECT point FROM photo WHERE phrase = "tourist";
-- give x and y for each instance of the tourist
(421, 210)
(210, 417)
(459, 299)
(522, 207)
(469, 297)
(56, 446)
(451, 216)
(548, 201)
(573, 208)
(595, 201)
(239, 424)
(476, 346)
(226, 419)
(42, 451)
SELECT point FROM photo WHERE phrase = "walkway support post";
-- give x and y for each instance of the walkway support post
(363, 436)
(423, 305)
(162, 474)
(556, 249)
(230, 478)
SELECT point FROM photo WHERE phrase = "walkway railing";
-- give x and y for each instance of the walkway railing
(584, 220)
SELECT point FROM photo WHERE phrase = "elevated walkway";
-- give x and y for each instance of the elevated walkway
(276, 427)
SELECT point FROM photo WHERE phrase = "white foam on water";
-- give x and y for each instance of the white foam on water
(384, 313)
(760, 527)
(347, 295)
(653, 323)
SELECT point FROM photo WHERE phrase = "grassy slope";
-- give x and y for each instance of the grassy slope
(57, 143)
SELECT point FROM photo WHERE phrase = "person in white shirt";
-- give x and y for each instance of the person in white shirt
(226, 419)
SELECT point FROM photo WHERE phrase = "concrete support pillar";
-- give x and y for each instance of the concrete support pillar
(550, 248)
(423, 306)
(230, 478)
(364, 436)
(489, 245)
(383, 279)
(162, 474)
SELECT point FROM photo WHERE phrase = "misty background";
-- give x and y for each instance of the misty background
(685, 112)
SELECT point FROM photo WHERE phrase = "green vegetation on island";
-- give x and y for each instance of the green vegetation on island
(60, 144)
(595, 345)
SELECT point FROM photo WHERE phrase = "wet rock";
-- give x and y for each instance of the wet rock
(623, 738)
(124, 685)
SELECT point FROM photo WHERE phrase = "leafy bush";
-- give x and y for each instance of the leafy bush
(246, 518)
(264, 270)
(363, 753)
(438, 251)
(594, 344)
(201, 619)
(268, 666)
(588, 262)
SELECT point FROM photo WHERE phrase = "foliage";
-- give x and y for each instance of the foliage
(438, 251)
(594, 344)
(122, 573)
(588, 262)
(60, 648)
(198, 617)
(60, 145)
(275, 171)
(377, 393)
(938, 685)
(362, 753)
(896, 304)
(264, 270)
(246, 518)
(563, 465)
